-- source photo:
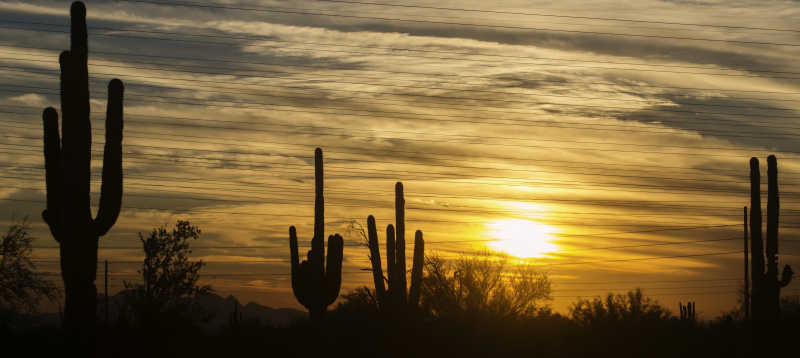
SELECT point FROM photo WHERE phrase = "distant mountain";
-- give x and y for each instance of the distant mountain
(215, 305)
(222, 308)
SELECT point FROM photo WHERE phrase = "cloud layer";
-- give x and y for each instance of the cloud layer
(619, 133)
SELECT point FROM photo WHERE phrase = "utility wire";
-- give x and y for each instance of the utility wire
(390, 161)
(507, 27)
(538, 14)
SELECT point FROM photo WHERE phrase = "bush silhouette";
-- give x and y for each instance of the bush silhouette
(21, 286)
(632, 307)
(483, 285)
(169, 280)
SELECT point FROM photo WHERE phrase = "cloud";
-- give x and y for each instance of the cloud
(598, 134)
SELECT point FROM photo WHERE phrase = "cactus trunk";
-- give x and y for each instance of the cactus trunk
(315, 287)
(400, 241)
(67, 166)
(756, 242)
(397, 297)
(765, 298)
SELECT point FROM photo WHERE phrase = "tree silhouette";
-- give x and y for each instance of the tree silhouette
(169, 279)
(483, 285)
(68, 163)
(632, 307)
(21, 287)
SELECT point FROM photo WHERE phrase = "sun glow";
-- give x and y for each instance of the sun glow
(522, 238)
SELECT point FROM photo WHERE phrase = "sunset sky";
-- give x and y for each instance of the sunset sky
(606, 141)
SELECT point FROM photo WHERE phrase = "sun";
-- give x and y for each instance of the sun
(521, 238)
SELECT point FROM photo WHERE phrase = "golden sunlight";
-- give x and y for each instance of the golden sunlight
(521, 238)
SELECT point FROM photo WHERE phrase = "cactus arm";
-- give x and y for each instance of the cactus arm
(298, 272)
(111, 188)
(375, 259)
(400, 240)
(333, 274)
(416, 269)
(53, 171)
(391, 264)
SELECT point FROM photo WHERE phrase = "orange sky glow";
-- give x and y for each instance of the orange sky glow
(607, 160)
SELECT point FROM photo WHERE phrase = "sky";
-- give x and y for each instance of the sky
(597, 140)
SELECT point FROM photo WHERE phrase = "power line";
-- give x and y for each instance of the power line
(201, 211)
(459, 75)
(607, 202)
(466, 209)
(252, 247)
(169, 120)
(646, 281)
(222, 185)
(413, 139)
(559, 64)
(644, 258)
(659, 22)
(421, 159)
(668, 110)
(508, 27)
(394, 49)
(239, 142)
(452, 166)
(553, 264)
(638, 204)
(215, 89)
(643, 288)
(172, 70)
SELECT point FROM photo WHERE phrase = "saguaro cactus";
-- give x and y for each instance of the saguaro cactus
(67, 164)
(765, 299)
(235, 318)
(315, 287)
(397, 295)
(687, 311)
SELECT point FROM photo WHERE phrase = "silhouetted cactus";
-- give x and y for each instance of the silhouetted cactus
(235, 318)
(397, 295)
(687, 311)
(67, 165)
(315, 287)
(765, 298)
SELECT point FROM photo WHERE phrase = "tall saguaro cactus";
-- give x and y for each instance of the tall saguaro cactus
(397, 294)
(688, 311)
(67, 164)
(765, 299)
(314, 286)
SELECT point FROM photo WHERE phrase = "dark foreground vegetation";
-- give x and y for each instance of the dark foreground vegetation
(357, 330)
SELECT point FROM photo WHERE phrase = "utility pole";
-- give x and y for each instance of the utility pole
(106, 291)
(746, 271)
